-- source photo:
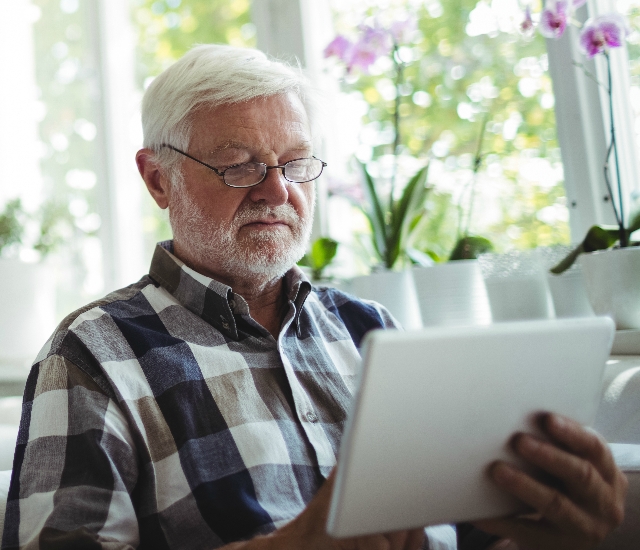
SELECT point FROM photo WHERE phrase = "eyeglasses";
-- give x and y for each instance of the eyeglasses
(249, 174)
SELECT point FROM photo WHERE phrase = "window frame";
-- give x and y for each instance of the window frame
(582, 121)
(121, 231)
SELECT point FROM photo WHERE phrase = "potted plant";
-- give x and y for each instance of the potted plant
(28, 305)
(392, 215)
(609, 259)
(453, 292)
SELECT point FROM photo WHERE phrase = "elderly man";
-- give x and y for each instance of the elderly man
(203, 406)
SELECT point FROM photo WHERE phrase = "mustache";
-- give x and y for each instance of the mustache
(253, 212)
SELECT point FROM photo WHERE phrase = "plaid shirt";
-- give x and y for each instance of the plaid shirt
(165, 417)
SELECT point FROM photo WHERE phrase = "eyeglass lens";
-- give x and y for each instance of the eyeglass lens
(250, 173)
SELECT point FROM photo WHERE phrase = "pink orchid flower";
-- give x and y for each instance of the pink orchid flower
(527, 26)
(373, 43)
(339, 47)
(553, 20)
(603, 32)
(401, 31)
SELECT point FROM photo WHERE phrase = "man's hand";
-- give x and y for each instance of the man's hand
(308, 530)
(578, 515)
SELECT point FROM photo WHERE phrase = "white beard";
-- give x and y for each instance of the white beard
(256, 256)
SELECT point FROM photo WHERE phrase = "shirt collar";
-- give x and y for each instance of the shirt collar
(211, 300)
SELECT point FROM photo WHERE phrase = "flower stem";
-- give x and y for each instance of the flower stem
(619, 214)
(396, 122)
(477, 163)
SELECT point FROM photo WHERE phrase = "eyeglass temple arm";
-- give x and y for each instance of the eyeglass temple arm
(221, 174)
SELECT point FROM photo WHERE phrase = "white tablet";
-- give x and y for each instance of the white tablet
(436, 407)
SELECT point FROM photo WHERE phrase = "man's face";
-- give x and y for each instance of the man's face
(254, 233)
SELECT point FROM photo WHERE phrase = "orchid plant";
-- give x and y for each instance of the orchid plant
(598, 36)
(391, 218)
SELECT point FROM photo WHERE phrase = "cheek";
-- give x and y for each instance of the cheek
(307, 199)
(225, 206)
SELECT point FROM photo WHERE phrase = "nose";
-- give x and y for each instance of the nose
(273, 190)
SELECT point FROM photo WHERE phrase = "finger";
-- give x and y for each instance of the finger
(550, 503)
(582, 442)
(580, 478)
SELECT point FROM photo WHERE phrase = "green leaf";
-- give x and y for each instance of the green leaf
(323, 251)
(421, 258)
(598, 238)
(375, 214)
(54, 218)
(10, 226)
(378, 246)
(469, 248)
(305, 261)
(403, 214)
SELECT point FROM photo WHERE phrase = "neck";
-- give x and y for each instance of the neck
(267, 307)
(266, 298)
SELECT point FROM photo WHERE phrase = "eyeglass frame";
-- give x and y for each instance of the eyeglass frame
(267, 167)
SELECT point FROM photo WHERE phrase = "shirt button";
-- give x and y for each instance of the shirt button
(312, 417)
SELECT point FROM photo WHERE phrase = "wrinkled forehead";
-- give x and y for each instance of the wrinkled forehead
(274, 121)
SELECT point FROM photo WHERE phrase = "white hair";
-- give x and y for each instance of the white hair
(213, 75)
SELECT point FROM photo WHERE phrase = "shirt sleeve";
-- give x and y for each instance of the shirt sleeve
(74, 468)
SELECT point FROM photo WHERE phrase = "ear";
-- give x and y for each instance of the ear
(156, 182)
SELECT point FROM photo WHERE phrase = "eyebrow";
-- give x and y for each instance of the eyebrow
(232, 144)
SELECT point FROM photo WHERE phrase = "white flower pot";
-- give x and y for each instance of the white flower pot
(395, 290)
(518, 298)
(613, 284)
(569, 294)
(516, 285)
(452, 293)
(27, 311)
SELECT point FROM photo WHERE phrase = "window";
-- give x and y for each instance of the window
(468, 66)
(166, 30)
(73, 109)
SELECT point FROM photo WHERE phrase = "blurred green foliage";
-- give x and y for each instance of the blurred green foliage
(456, 77)
(50, 224)
(166, 30)
(69, 90)
(322, 253)
(393, 222)
(10, 224)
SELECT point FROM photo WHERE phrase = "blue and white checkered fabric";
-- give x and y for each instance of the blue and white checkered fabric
(165, 417)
